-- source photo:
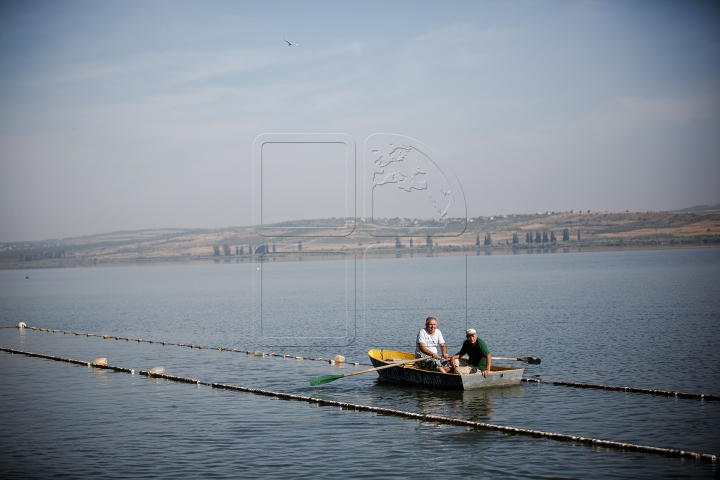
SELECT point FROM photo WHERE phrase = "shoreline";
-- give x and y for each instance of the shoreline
(550, 232)
(332, 254)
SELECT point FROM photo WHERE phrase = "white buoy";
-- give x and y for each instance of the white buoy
(100, 361)
(21, 325)
(156, 371)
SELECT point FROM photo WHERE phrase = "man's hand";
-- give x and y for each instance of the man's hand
(486, 373)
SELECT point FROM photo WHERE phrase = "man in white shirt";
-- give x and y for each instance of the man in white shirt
(428, 341)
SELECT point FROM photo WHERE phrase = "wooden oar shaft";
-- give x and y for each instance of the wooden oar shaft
(385, 366)
(530, 360)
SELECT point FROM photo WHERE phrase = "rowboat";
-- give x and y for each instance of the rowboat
(410, 373)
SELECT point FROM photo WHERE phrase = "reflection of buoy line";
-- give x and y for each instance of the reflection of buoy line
(399, 413)
(257, 353)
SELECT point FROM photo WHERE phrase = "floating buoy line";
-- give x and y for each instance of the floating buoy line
(647, 391)
(398, 413)
(199, 347)
(69, 360)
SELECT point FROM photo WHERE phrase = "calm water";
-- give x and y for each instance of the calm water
(643, 319)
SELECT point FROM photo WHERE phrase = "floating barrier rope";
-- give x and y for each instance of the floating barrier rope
(478, 425)
(401, 413)
(200, 347)
(67, 360)
(649, 391)
(666, 393)
(172, 378)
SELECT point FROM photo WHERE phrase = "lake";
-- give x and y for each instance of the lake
(645, 318)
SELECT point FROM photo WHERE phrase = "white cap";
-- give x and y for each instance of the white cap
(470, 331)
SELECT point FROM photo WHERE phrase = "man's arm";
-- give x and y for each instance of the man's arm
(459, 354)
(427, 351)
(486, 372)
(443, 348)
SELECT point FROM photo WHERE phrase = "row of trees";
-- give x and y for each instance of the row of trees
(544, 237)
(240, 249)
(532, 237)
(399, 244)
(537, 237)
(43, 256)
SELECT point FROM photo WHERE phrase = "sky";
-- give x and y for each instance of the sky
(133, 115)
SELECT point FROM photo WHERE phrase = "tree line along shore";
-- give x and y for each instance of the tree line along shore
(506, 233)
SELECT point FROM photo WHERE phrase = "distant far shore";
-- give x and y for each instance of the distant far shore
(358, 254)
(549, 232)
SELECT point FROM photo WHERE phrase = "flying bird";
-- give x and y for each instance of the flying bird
(290, 43)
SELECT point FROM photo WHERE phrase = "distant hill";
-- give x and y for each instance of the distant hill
(715, 207)
(695, 226)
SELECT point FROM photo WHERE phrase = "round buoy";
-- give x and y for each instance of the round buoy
(100, 361)
(339, 359)
(22, 325)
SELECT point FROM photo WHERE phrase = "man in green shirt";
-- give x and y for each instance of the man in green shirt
(477, 352)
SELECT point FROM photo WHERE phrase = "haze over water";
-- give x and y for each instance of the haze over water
(641, 319)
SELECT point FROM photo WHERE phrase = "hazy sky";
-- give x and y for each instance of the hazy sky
(131, 115)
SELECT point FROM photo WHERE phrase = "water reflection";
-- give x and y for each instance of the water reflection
(474, 405)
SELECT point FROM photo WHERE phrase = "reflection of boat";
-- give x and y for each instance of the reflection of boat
(409, 373)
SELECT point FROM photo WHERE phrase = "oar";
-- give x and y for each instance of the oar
(331, 378)
(530, 360)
